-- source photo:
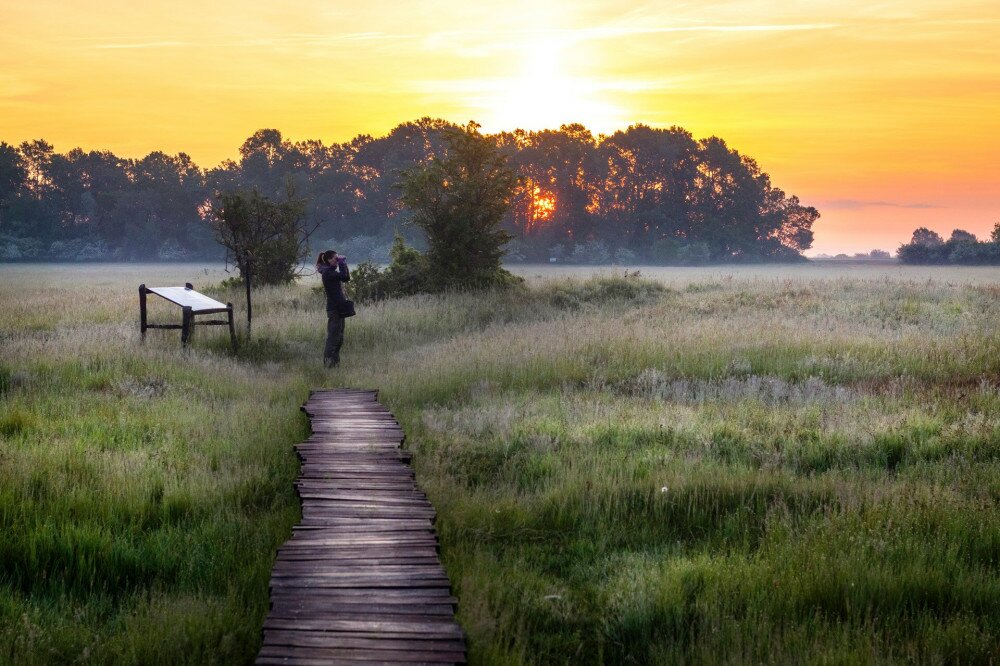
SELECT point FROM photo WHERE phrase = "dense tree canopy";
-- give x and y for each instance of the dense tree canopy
(928, 247)
(642, 193)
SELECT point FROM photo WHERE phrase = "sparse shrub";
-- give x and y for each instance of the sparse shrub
(594, 252)
(664, 250)
(366, 283)
(9, 251)
(97, 250)
(693, 254)
(622, 290)
(171, 250)
(625, 256)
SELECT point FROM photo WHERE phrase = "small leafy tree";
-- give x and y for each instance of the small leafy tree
(265, 240)
(459, 201)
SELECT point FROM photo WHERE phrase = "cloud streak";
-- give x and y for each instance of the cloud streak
(281, 41)
(484, 42)
(856, 204)
(143, 45)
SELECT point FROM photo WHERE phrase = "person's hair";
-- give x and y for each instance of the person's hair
(324, 256)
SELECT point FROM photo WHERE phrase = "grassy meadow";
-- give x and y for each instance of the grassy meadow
(775, 464)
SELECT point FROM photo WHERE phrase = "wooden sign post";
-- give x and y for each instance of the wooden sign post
(191, 303)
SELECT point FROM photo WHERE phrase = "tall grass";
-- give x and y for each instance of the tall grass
(768, 467)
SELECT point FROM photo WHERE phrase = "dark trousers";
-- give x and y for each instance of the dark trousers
(334, 337)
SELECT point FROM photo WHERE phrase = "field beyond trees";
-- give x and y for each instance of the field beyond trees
(773, 464)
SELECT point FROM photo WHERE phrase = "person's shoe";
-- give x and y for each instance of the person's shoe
(328, 362)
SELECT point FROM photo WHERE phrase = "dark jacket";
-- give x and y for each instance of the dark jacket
(333, 284)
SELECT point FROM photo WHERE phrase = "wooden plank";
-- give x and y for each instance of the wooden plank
(359, 560)
(367, 525)
(314, 531)
(388, 629)
(406, 552)
(401, 498)
(370, 579)
(373, 539)
(348, 480)
(333, 569)
(352, 595)
(413, 654)
(330, 639)
(293, 609)
(297, 660)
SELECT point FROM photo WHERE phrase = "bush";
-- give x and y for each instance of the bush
(171, 250)
(14, 248)
(366, 283)
(406, 275)
(10, 252)
(97, 250)
(695, 253)
(664, 250)
(625, 256)
(409, 273)
(619, 289)
(591, 252)
(516, 252)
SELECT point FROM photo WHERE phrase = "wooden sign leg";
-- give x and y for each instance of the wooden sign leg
(142, 312)
(232, 327)
(187, 324)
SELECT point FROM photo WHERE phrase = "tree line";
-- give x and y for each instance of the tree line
(640, 194)
(929, 247)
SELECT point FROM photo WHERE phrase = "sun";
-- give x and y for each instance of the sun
(543, 94)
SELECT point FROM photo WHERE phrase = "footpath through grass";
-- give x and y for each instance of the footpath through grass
(719, 470)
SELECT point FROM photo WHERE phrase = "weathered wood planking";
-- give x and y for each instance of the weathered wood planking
(360, 580)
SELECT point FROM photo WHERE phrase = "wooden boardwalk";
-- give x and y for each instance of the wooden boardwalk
(360, 580)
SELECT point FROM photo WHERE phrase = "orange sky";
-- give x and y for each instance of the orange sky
(886, 116)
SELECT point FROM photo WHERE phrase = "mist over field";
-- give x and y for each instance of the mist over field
(692, 464)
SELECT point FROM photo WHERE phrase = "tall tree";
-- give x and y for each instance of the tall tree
(459, 201)
(12, 180)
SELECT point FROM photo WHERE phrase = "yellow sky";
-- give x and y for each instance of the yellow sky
(886, 116)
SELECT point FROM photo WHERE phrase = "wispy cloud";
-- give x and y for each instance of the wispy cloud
(589, 85)
(484, 42)
(279, 41)
(142, 45)
(855, 204)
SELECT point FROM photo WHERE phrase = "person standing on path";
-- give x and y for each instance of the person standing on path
(333, 268)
